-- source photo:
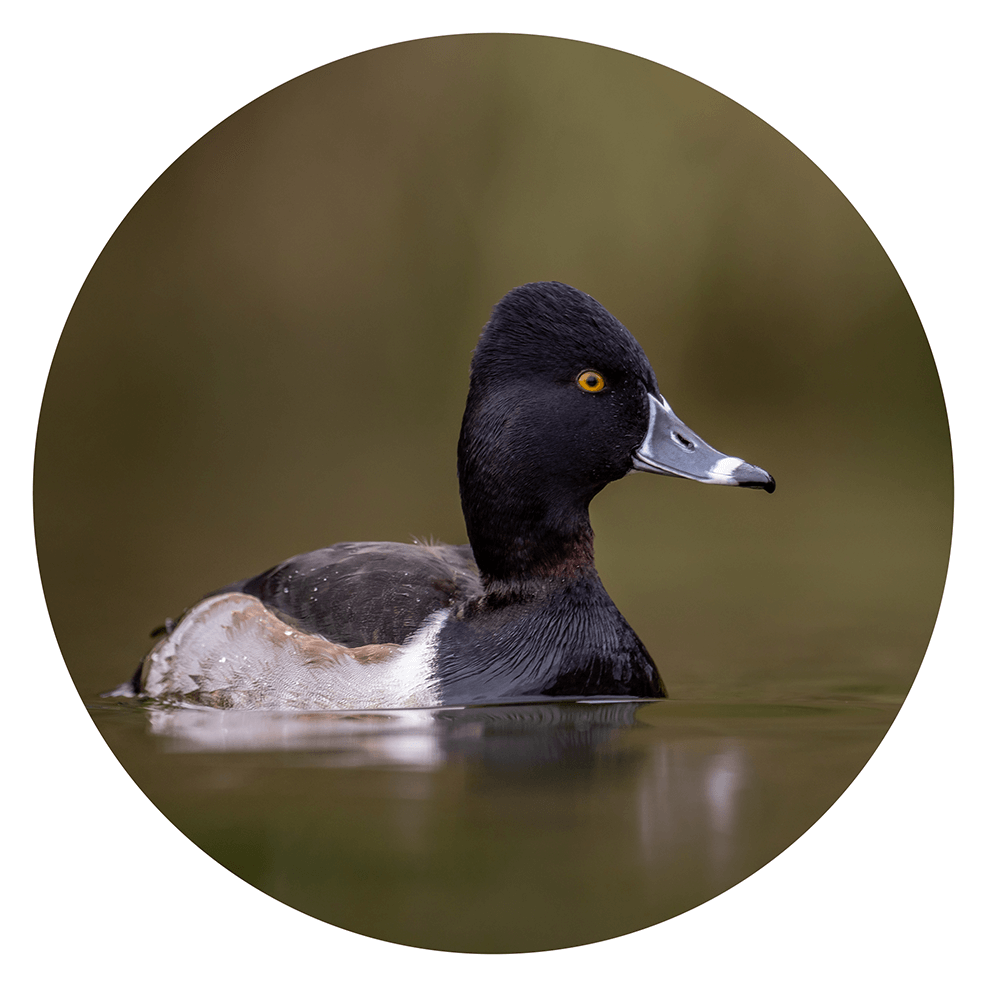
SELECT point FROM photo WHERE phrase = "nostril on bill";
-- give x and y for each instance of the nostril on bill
(683, 441)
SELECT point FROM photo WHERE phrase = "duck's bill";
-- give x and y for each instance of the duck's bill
(671, 448)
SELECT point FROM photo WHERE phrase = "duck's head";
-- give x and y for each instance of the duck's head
(562, 401)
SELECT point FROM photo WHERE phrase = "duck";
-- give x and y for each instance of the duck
(562, 401)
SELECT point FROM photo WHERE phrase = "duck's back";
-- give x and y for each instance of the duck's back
(361, 593)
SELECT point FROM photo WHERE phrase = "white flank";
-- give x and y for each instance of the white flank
(232, 652)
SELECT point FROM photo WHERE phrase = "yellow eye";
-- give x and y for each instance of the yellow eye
(590, 380)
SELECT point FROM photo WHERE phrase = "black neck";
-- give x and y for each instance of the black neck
(524, 532)
(526, 513)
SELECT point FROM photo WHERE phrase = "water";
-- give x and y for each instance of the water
(501, 828)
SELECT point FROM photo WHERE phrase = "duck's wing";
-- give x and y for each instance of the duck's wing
(358, 593)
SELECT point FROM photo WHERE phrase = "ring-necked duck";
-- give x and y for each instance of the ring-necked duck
(562, 400)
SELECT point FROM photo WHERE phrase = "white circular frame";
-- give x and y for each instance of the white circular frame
(577, 24)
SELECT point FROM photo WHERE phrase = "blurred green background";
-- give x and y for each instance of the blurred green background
(271, 355)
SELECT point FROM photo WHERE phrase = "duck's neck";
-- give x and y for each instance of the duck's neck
(525, 551)
(525, 493)
(525, 532)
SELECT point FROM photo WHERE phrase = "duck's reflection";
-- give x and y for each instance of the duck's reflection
(516, 737)
(678, 783)
(667, 792)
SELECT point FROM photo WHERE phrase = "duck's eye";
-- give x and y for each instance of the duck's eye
(590, 380)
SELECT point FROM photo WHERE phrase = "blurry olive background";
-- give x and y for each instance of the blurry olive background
(271, 355)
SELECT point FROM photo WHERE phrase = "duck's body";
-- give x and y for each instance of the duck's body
(558, 638)
(562, 401)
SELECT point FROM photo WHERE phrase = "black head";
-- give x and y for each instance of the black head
(563, 401)
(556, 409)
(545, 329)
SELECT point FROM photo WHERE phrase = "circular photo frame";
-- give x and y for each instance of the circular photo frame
(74, 266)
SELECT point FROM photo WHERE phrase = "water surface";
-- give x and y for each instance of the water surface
(500, 828)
